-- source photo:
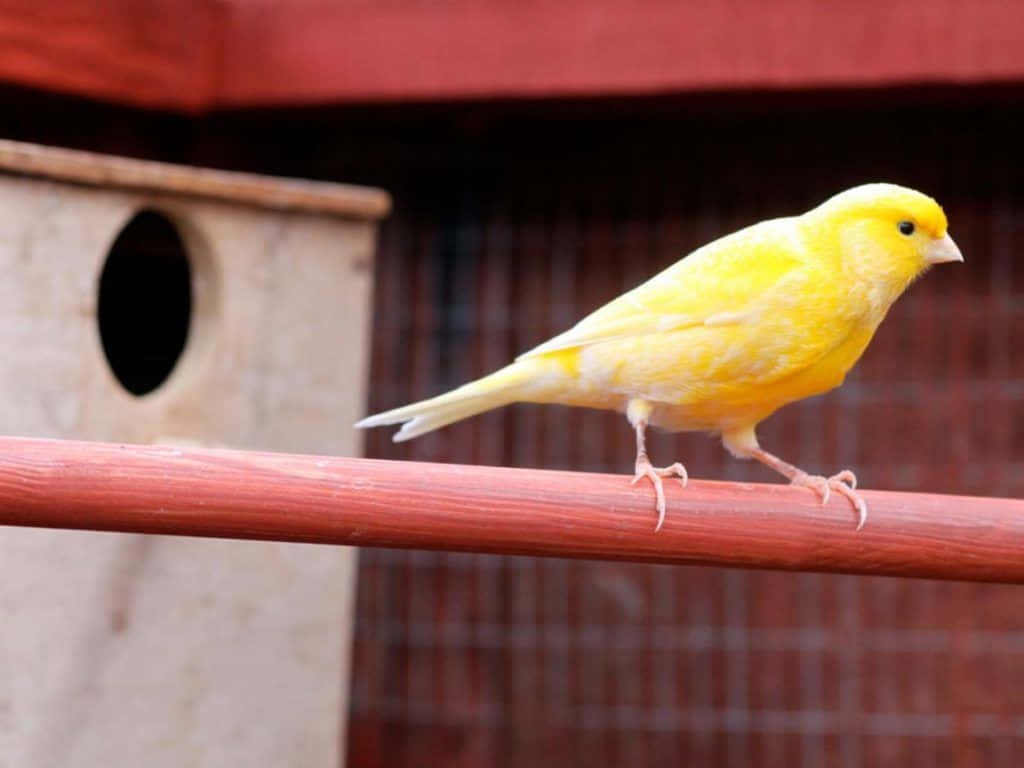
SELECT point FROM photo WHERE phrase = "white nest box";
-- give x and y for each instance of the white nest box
(150, 303)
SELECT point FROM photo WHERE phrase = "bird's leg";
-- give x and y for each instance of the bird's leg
(844, 482)
(744, 444)
(638, 417)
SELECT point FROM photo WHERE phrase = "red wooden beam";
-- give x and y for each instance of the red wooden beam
(158, 53)
(199, 55)
(316, 52)
(249, 495)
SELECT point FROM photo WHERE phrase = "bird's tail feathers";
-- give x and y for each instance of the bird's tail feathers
(500, 388)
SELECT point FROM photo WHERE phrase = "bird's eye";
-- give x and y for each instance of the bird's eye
(906, 228)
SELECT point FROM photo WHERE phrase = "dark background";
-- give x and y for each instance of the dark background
(512, 219)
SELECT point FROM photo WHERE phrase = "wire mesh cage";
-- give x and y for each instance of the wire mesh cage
(517, 661)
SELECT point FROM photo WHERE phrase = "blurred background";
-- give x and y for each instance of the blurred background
(543, 158)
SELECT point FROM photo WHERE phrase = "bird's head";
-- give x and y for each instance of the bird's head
(885, 232)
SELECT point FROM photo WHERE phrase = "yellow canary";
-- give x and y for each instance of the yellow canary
(723, 338)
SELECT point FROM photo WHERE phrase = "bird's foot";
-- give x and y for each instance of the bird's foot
(844, 483)
(654, 474)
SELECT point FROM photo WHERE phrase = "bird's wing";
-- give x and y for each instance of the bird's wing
(727, 281)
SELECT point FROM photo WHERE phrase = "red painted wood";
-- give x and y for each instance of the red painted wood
(314, 52)
(158, 53)
(248, 495)
(206, 54)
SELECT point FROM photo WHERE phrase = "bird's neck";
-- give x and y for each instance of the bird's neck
(874, 277)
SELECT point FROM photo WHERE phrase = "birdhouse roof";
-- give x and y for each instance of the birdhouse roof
(89, 168)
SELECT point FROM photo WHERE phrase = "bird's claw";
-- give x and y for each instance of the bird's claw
(844, 483)
(654, 474)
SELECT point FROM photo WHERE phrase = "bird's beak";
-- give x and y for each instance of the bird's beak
(942, 251)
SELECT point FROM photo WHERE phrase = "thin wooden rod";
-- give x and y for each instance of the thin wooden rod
(249, 495)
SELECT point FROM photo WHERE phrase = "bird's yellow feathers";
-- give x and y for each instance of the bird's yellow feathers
(500, 388)
(692, 292)
(866, 225)
(882, 203)
(767, 315)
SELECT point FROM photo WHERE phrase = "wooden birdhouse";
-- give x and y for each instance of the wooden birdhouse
(165, 305)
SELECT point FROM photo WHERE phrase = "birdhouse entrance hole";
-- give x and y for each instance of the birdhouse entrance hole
(145, 302)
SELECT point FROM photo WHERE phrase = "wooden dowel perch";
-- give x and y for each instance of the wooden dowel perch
(249, 495)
